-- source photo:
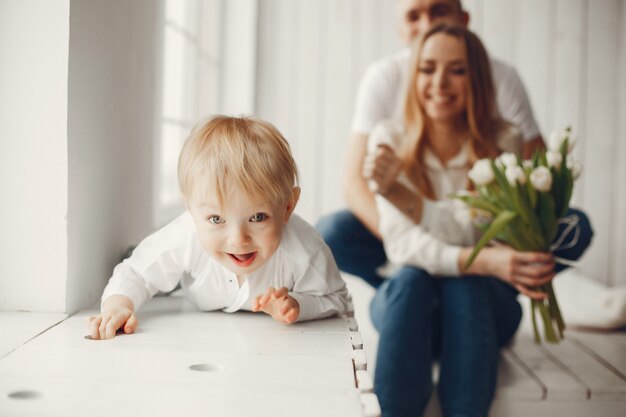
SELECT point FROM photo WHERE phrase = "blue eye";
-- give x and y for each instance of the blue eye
(258, 217)
(215, 219)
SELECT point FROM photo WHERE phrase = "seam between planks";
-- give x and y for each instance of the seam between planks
(531, 374)
(36, 336)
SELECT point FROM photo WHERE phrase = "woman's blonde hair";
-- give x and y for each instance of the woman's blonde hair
(482, 117)
(246, 153)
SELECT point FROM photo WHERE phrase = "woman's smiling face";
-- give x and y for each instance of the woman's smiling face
(442, 79)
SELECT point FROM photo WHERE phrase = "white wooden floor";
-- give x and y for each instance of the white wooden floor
(183, 362)
(585, 375)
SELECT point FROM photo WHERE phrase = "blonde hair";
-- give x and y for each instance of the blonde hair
(246, 153)
(482, 117)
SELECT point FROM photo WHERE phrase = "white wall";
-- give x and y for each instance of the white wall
(113, 100)
(311, 55)
(33, 154)
(77, 135)
(571, 55)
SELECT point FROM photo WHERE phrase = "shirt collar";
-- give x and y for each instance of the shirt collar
(457, 161)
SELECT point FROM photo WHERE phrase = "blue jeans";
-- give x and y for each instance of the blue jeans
(356, 250)
(462, 322)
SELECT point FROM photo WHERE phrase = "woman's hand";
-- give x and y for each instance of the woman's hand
(382, 167)
(525, 271)
(117, 312)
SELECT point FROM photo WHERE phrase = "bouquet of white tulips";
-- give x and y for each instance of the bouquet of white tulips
(524, 200)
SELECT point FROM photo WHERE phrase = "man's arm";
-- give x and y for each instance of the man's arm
(356, 192)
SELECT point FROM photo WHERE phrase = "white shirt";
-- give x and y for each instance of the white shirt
(446, 227)
(381, 93)
(302, 263)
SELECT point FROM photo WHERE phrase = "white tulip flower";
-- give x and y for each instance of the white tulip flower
(554, 159)
(575, 167)
(481, 173)
(462, 213)
(541, 179)
(515, 174)
(527, 164)
(556, 138)
(508, 159)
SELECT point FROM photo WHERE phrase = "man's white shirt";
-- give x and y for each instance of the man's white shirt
(382, 90)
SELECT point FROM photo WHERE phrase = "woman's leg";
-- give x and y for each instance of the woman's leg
(507, 310)
(402, 311)
(356, 250)
(469, 347)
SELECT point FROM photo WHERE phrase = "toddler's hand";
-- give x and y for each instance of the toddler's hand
(106, 324)
(278, 304)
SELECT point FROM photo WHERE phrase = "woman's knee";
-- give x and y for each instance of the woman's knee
(408, 292)
(411, 284)
(466, 295)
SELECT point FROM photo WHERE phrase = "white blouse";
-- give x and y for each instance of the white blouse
(433, 244)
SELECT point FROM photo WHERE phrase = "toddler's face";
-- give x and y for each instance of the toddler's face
(242, 234)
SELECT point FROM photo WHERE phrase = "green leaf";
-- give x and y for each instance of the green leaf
(479, 203)
(501, 220)
(506, 190)
(547, 218)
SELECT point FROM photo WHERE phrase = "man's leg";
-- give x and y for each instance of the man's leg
(356, 250)
(573, 240)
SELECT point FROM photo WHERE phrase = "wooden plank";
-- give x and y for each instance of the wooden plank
(556, 408)
(191, 359)
(602, 382)
(605, 350)
(475, 8)
(516, 379)
(618, 244)
(366, 34)
(19, 327)
(500, 28)
(618, 338)
(558, 383)
(387, 28)
(535, 56)
(599, 140)
(71, 398)
(274, 77)
(338, 102)
(371, 407)
(569, 65)
(307, 56)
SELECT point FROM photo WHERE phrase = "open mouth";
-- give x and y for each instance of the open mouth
(242, 259)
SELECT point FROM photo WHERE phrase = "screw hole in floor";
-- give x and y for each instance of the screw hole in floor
(206, 367)
(24, 395)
